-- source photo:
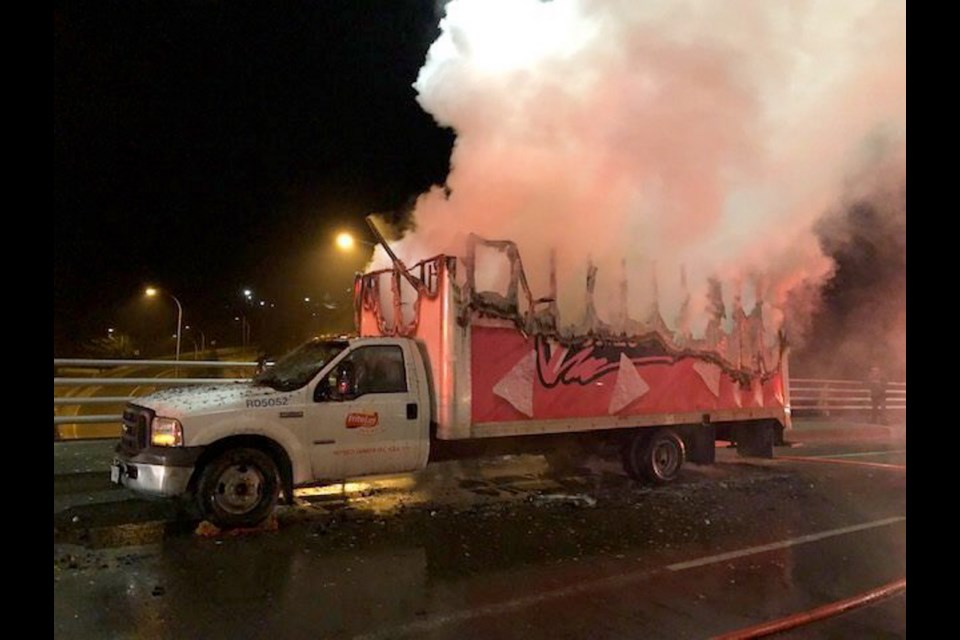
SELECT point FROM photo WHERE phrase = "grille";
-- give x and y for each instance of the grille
(133, 436)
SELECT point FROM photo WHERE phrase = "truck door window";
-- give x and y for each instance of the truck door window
(374, 369)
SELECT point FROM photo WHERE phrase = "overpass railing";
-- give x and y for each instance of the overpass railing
(816, 396)
(89, 394)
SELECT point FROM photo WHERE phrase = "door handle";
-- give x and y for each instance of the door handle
(411, 411)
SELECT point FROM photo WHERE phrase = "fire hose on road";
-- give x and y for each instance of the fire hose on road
(826, 611)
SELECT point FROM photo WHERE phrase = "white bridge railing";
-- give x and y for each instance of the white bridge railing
(821, 396)
(105, 386)
(94, 392)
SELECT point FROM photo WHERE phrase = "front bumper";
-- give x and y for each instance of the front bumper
(155, 471)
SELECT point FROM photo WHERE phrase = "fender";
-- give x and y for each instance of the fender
(235, 424)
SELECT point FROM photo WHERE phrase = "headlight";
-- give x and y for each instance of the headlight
(166, 432)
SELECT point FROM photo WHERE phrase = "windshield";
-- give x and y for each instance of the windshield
(299, 366)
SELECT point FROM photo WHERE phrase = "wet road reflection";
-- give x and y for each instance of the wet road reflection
(505, 550)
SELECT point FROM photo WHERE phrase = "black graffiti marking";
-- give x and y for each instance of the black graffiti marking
(583, 364)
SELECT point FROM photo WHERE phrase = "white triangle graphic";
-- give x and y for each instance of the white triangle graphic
(737, 398)
(710, 374)
(517, 386)
(629, 387)
(758, 393)
(561, 354)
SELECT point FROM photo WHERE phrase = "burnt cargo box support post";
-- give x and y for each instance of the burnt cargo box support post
(701, 443)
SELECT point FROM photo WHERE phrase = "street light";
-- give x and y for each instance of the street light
(244, 329)
(248, 298)
(203, 338)
(345, 241)
(112, 335)
(151, 292)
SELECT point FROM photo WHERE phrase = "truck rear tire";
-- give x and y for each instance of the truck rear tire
(655, 457)
(238, 488)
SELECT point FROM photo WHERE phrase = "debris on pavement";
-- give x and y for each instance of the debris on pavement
(580, 500)
(207, 529)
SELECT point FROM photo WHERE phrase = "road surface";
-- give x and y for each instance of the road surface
(503, 549)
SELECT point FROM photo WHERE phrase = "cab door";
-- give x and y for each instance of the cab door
(366, 414)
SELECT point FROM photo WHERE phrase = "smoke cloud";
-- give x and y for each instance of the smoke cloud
(671, 136)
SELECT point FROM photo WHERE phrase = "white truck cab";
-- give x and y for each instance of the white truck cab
(332, 409)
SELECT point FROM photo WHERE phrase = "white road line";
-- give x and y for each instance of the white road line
(813, 537)
(857, 455)
(423, 626)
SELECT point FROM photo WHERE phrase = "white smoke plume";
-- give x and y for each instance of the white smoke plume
(673, 134)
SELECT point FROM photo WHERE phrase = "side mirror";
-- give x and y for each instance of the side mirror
(326, 390)
(322, 391)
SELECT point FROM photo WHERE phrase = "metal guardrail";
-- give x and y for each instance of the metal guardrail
(119, 373)
(824, 396)
(812, 395)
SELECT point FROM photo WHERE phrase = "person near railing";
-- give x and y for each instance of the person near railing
(877, 384)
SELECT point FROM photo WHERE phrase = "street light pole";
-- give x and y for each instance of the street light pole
(244, 329)
(152, 292)
(203, 338)
(179, 322)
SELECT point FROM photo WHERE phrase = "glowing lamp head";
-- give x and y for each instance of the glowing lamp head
(150, 292)
(345, 241)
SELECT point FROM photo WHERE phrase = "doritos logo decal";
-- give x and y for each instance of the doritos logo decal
(362, 420)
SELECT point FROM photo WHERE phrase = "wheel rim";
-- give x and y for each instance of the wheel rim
(239, 489)
(666, 459)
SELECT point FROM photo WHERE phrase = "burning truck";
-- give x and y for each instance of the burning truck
(440, 369)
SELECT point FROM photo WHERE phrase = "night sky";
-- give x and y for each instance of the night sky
(207, 146)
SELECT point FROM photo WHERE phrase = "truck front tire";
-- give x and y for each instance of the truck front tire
(238, 488)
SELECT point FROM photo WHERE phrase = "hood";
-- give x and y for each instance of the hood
(182, 401)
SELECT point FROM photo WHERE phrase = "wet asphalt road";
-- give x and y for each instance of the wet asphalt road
(503, 549)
